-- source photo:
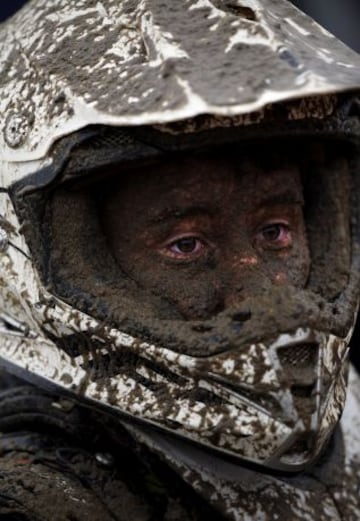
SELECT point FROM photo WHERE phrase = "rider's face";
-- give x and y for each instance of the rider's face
(206, 233)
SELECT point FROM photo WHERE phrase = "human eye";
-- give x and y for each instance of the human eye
(184, 247)
(274, 236)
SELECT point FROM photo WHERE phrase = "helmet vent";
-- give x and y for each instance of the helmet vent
(204, 396)
(298, 452)
(106, 365)
(299, 367)
(264, 400)
(108, 139)
(302, 391)
(234, 7)
(302, 355)
(303, 396)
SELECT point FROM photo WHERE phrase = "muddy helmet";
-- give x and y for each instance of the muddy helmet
(89, 85)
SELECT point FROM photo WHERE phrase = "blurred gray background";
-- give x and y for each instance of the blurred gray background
(341, 17)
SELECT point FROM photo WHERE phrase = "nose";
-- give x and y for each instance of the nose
(244, 278)
(234, 298)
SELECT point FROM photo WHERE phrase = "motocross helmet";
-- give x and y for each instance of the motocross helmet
(89, 89)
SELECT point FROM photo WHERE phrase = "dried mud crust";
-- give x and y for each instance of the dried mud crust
(69, 484)
(60, 461)
(41, 489)
(41, 493)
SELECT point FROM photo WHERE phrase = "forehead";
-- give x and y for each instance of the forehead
(211, 178)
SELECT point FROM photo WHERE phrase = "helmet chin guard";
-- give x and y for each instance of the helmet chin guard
(265, 387)
(270, 404)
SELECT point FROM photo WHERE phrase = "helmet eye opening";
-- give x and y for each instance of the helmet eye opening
(78, 268)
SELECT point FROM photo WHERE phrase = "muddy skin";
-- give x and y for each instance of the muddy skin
(207, 233)
(161, 304)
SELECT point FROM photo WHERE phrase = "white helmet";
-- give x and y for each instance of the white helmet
(85, 85)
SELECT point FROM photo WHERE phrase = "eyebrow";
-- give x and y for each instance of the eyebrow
(177, 212)
(285, 197)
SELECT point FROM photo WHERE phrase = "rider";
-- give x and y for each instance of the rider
(179, 263)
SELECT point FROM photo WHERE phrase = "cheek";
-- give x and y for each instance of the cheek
(193, 292)
(291, 267)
